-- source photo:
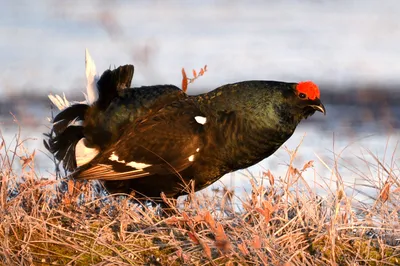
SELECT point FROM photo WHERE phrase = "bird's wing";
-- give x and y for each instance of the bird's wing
(132, 104)
(163, 143)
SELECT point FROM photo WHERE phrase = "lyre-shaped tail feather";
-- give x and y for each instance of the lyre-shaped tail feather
(60, 102)
(91, 79)
(111, 83)
(91, 94)
(67, 125)
(67, 140)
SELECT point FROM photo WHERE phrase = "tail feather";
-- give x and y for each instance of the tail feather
(66, 134)
(68, 116)
(60, 102)
(63, 146)
(111, 83)
(91, 78)
(67, 140)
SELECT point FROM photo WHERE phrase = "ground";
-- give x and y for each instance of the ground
(281, 222)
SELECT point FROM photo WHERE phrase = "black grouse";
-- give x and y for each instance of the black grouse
(157, 139)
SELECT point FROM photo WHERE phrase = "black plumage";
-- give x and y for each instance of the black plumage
(158, 139)
(68, 128)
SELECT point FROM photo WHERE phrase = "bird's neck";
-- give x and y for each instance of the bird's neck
(260, 109)
(244, 128)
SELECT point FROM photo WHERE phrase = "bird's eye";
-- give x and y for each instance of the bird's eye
(302, 95)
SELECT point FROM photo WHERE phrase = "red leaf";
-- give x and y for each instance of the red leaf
(171, 220)
(197, 219)
(271, 177)
(221, 240)
(184, 80)
(187, 219)
(185, 216)
(194, 73)
(67, 201)
(307, 165)
(179, 252)
(242, 247)
(194, 238)
(27, 160)
(210, 220)
(70, 187)
(207, 250)
(384, 195)
(268, 206)
(256, 242)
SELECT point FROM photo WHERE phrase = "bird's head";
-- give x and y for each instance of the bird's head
(306, 98)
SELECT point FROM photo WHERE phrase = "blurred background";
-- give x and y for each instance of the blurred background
(349, 48)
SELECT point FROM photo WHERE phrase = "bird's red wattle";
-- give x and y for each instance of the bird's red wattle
(309, 88)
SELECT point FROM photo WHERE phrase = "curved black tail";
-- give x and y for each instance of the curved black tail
(66, 132)
(111, 83)
(68, 125)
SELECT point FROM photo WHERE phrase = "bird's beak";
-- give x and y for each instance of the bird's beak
(317, 105)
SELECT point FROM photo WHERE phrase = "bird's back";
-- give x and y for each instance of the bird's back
(105, 127)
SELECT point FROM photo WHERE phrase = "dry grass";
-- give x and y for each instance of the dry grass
(283, 222)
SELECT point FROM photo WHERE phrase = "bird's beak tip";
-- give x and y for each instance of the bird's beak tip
(320, 107)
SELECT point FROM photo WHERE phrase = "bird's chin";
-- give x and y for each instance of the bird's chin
(308, 111)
